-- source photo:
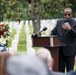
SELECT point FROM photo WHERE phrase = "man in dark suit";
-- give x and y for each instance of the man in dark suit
(66, 33)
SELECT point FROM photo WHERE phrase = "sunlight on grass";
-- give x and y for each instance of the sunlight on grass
(22, 41)
(75, 67)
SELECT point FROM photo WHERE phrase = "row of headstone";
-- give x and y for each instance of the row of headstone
(29, 50)
(50, 24)
(16, 26)
(15, 41)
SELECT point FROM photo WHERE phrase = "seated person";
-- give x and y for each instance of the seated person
(46, 56)
(3, 57)
(25, 64)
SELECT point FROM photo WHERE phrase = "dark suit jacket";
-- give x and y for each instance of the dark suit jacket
(66, 37)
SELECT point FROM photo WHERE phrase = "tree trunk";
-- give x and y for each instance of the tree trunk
(35, 17)
(38, 16)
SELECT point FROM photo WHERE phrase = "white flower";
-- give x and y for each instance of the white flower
(2, 40)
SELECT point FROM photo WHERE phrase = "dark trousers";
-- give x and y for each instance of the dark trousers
(66, 62)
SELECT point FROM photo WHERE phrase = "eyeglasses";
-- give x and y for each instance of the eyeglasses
(67, 14)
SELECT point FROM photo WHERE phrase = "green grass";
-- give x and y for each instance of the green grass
(31, 32)
(22, 41)
(75, 67)
(43, 33)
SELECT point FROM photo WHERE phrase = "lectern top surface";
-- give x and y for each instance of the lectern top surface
(46, 36)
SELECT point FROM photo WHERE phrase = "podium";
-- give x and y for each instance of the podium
(52, 44)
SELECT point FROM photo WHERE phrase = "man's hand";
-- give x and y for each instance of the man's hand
(66, 26)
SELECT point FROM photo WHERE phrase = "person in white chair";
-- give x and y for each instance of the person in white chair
(45, 55)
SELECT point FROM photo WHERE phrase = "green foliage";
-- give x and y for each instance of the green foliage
(53, 8)
(20, 9)
(12, 9)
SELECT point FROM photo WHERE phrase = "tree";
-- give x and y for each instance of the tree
(34, 13)
(34, 10)
(11, 10)
(53, 8)
(43, 9)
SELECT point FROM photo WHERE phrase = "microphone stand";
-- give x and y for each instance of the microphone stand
(39, 33)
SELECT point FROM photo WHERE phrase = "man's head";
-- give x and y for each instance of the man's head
(24, 64)
(67, 13)
(45, 55)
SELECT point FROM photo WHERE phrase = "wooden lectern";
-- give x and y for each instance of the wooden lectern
(52, 44)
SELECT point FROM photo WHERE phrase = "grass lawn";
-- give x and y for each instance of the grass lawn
(22, 41)
(75, 67)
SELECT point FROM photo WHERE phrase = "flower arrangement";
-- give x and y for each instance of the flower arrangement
(4, 33)
(4, 30)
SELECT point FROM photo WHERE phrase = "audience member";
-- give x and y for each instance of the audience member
(24, 64)
(3, 57)
(46, 56)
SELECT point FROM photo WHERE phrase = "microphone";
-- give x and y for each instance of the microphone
(36, 34)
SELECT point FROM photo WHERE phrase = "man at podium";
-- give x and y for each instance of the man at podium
(66, 33)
